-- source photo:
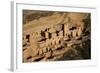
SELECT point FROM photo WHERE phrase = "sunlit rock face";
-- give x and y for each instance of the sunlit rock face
(56, 36)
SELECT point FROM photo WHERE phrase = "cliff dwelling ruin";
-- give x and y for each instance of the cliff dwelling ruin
(56, 36)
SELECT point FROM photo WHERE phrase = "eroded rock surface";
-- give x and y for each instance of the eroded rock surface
(55, 36)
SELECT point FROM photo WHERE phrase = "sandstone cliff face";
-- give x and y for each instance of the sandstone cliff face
(56, 36)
